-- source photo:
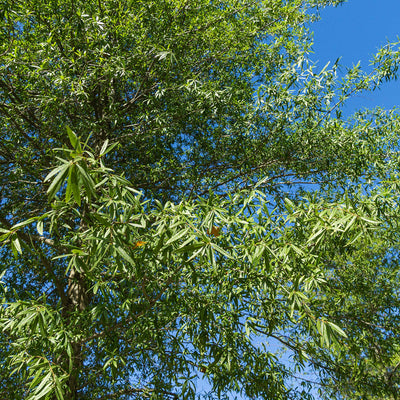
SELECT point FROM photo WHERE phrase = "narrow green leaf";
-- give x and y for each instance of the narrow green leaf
(55, 171)
(5, 236)
(37, 378)
(371, 221)
(58, 181)
(103, 148)
(59, 391)
(46, 388)
(87, 181)
(96, 287)
(46, 380)
(221, 250)
(337, 329)
(124, 255)
(350, 223)
(17, 245)
(177, 236)
(24, 223)
(316, 235)
(110, 148)
(190, 247)
(69, 187)
(39, 227)
(75, 186)
(74, 140)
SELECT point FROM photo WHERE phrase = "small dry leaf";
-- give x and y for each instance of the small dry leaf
(214, 231)
(139, 243)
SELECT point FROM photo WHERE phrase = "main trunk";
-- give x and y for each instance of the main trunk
(77, 301)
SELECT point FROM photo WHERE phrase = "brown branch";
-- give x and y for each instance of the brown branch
(138, 91)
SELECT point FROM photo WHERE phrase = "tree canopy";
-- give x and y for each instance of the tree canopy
(181, 194)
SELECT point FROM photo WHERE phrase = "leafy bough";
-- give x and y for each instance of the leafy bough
(217, 272)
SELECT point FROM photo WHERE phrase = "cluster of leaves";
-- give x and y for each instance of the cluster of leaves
(190, 284)
(176, 242)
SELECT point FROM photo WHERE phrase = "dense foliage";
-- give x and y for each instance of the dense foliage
(180, 195)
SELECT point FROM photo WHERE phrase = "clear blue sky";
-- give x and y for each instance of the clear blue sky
(355, 31)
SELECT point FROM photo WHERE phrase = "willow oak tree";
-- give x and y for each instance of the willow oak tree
(154, 158)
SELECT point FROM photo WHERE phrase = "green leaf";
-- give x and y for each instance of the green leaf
(55, 171)
(58, 181)
(337, 329)
(87, 181)
(24, 223)
(5, 236)
(190, 248)
(58, 389)
(104, 148)
(38, 377)
(45, 386)
(74, 140)
(39, 227)
(16, 244)
(221, 250)
(124, 255)
(74, 182)
(179, 234)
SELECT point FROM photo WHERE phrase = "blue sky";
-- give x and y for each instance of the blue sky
(355, 31)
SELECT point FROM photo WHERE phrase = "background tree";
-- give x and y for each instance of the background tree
(154, 159)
